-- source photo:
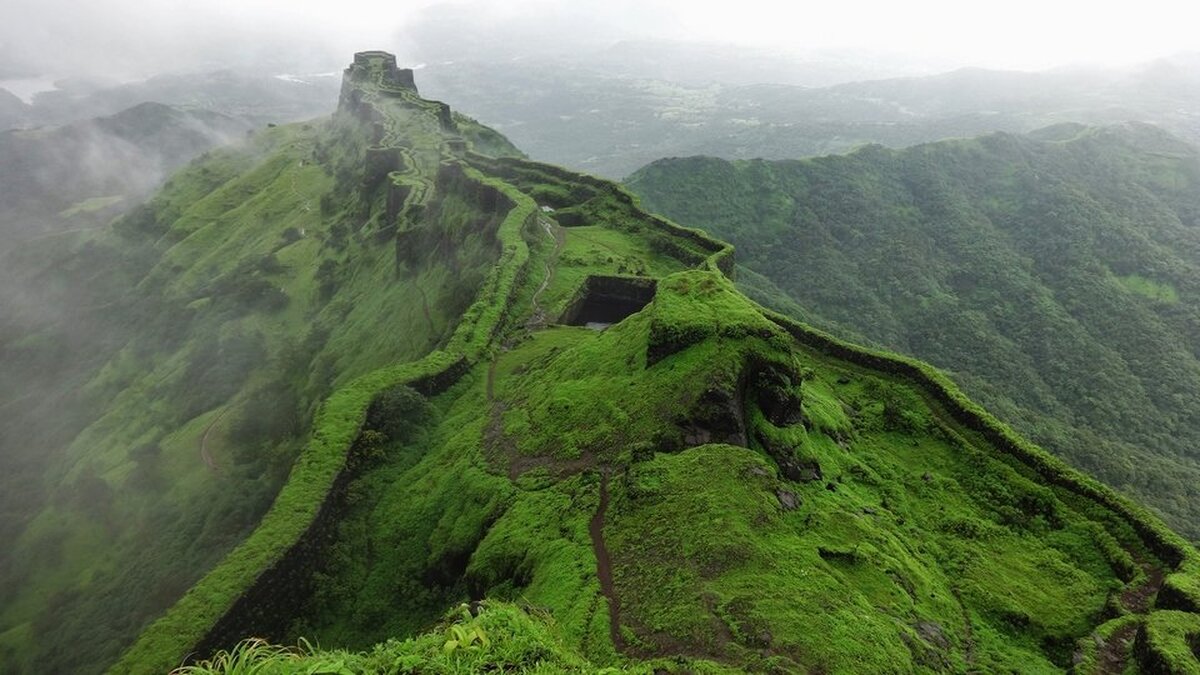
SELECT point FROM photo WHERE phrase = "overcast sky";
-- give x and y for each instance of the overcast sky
(128, 38)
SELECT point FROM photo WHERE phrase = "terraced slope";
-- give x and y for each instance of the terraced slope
(618, 460)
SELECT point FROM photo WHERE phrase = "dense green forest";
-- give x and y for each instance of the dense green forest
(1055, 276)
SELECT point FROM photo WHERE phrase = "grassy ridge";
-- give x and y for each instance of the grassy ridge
(687, 317)
(337, 425)
(846, 509)
(858, 577)
(1181, 590)
(538, 177)
(1169, 642)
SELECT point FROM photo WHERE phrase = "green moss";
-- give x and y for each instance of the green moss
(1169, 642)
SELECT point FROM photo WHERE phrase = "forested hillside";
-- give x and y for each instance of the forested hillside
(1055, 276)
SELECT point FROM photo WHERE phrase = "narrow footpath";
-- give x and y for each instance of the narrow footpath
(604, 566)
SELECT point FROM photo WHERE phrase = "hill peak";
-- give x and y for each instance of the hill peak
(380, 67)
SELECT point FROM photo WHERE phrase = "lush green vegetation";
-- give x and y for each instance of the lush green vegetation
(703, 486)
(912, 541)
(159, 403)
(488, 636)
(1053, 276)
(1170, 643)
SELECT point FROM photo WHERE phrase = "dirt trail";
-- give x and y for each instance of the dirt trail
(968, 629)
(1137, 598)
(537, 317)
(1115, 652)
(604, 566)
(491, 379)
(205, 455)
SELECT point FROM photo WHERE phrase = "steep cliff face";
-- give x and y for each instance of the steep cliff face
(695, 484)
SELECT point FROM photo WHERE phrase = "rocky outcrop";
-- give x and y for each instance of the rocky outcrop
(383, 65)
(777, 394)
(718, 417)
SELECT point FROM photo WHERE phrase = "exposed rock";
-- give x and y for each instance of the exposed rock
(716, 418)
(764, 638)
(795, 470)
(788, 500)
(932, 633)
(777, 395)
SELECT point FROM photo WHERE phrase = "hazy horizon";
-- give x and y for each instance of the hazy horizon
(127, 40)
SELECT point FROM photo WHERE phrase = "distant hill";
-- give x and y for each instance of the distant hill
(612, 120)
(256, 97)
(1056, 276)
(82, 174)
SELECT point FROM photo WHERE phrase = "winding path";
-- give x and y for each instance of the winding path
(1114, 653)
(537, 318)
(604, 566)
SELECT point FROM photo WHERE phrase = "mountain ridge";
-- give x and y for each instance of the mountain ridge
(802, 450)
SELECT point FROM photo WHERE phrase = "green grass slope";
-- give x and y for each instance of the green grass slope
(1053, 275)
(702, 486)
(738, 498)
(162, 375)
